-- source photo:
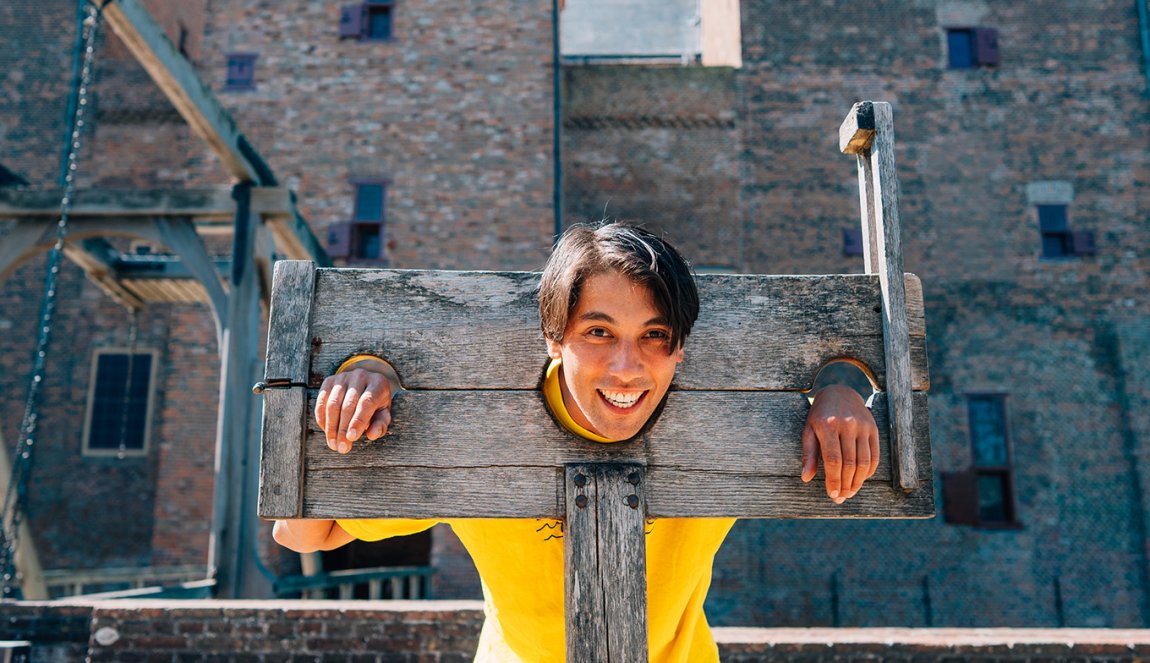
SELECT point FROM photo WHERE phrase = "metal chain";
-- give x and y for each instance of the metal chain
(125, 405)
(16, 495)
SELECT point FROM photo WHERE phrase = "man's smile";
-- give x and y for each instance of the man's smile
(622, 399)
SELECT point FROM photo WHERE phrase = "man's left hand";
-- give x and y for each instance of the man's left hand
(841, 430)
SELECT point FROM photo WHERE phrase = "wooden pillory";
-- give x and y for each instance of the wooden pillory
(471, 436)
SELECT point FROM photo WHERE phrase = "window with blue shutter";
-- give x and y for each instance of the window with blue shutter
(241, 71)
(983, 494)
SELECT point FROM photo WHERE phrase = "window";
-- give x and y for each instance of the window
(362, 238)
(119, 413)
(852, 242)
(241, 71)
(1058, 239)
(983, 495)
(182, 42)
(967, 48)
(366, 21)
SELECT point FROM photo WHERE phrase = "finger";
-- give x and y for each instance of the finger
(832, 463)
(872, 438)
(346, 409)
(810, 454)
(862, 463)
(331, 407)
(374, 397)
(379, 424)
(321, 404)
(848, 443)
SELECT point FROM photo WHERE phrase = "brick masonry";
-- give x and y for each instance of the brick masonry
(442, 631)
(741, 169)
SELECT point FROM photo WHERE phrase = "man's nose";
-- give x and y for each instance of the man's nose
(626, 361)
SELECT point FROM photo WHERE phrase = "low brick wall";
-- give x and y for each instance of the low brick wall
(446, 631)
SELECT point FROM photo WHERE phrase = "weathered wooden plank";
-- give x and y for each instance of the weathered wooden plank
(684, 494)
(896, 329)
(480, 330)
(729, 431)
(719, 439)
(435, 492)
(285, 410)
(537, 492)
(622, 562)
(586, 626)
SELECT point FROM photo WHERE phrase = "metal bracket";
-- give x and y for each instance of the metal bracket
(275, 383)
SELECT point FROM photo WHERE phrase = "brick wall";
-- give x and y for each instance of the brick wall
(444, 631)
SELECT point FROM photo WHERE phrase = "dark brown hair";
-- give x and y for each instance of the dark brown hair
(584, 251)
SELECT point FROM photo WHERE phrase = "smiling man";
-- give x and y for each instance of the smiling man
(616, 304)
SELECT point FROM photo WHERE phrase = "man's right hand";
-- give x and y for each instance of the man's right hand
(354, 403)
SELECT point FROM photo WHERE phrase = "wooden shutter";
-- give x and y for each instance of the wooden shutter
(1083, 242)
(986, 46)
(1052, 218)
(960, 497)
(339, 240)
(351, 21)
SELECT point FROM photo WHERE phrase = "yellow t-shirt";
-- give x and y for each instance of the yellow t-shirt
(520, 562)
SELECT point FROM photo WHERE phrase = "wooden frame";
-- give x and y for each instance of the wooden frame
(471, 436)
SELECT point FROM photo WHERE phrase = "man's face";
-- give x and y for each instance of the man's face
(617, 357)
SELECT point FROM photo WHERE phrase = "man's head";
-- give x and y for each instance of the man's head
(616, 303)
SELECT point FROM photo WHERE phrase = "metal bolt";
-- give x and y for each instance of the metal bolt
(633, 501)
(580, 480)
(633, 478)
(581, 501)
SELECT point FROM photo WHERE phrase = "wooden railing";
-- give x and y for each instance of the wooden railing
(69, 582)
(383, 582)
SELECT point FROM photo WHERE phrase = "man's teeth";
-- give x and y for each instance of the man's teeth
(621, 398)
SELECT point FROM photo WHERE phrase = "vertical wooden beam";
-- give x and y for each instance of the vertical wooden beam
(27, 562)
(235, 523)
(868, 133)
(285, 410)
(605, 563)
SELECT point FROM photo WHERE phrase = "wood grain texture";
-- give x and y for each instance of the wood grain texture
(605, 564)
(742, 446)
(896, 329)
(621, 509)
(285, 412)
(480, 330)
(586, 625)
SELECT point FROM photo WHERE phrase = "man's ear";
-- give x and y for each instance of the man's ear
(552, 349)
(678, 355)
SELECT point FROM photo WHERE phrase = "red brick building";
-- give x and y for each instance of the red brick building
(423, 135)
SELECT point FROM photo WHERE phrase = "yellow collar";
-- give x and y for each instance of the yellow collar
(554, 395)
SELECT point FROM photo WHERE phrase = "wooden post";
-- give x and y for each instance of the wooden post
(868, 133)
(605, 563)
(233, 545)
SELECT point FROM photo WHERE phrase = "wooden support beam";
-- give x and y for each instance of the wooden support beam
(197, 204)
(191, 97)
(95, 257)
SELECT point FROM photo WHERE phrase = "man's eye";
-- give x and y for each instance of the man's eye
(659, 334)
(598, 331)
